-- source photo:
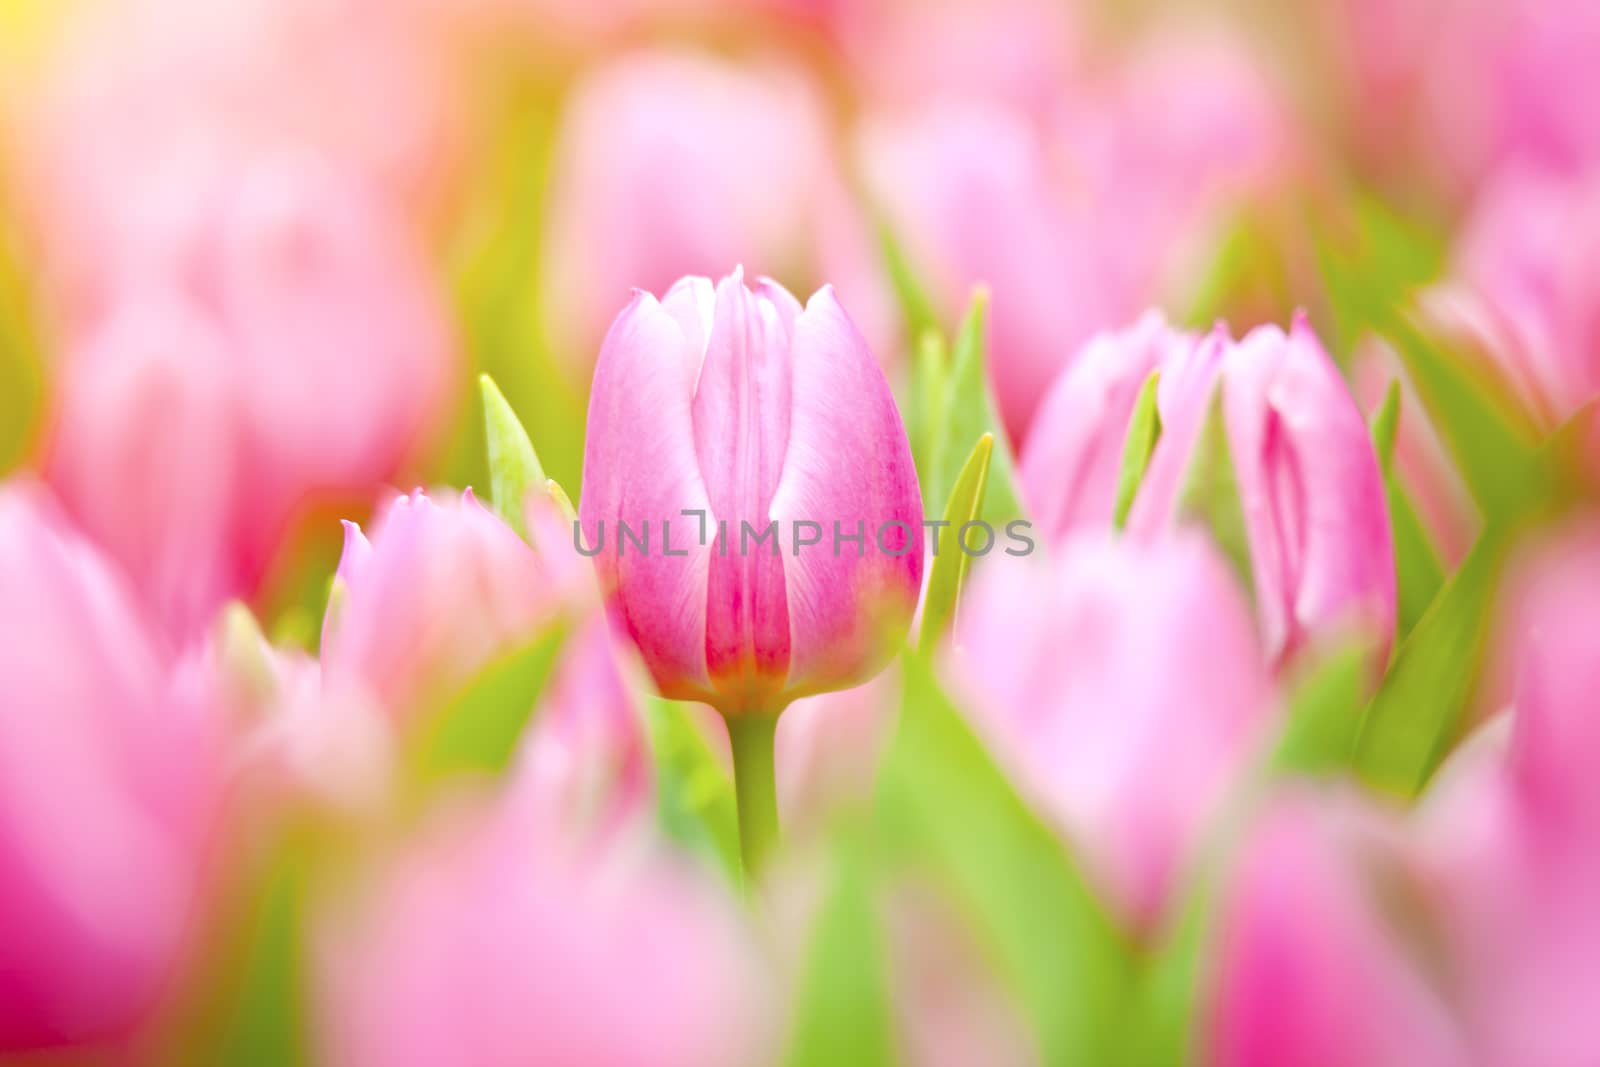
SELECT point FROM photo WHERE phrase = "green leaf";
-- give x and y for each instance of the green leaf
(694, 793)
(1419, 572)
(916, 307)
(929, 380)
(1325, 712)
(478, 731)
(1495, 451)
(1210, 493)
(842, 1013)
(1419, 711)
(1144, 430)
(969, 413)
(944, 807)
(950, 567)
(514, 467)
(265, 1024)
(21, 371)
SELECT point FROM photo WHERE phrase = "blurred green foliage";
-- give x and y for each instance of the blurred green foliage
(21, 367)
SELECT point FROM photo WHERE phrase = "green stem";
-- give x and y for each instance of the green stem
(755, 788)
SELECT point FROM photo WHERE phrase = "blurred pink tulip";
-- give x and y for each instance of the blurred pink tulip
(673, 163)
(1512, 826)
(488, 943)
(1460, 90)
(361, 85)
(743, 407)
(1125, 687)
(268, 329)
(107, 792)
(1073, 459)
(1312, 963)
(1078, 220)
(442, 590)
(1315, 516)
(1528, 257)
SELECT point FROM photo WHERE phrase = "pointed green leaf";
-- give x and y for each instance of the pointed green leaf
(1210, 493)
(929, 379)
(1325, 711)
(944, 808)
(562, 501)
(479, 730)
(916, 307)
(1419, 572)
(1417, 714)
(1495, 451)
(1144, 430)
(514, 467)
(842, 1013)
(950, 566)
(970, 412)
(694, 793)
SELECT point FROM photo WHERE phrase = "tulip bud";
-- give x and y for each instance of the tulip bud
(1118, 666)
(490, 943)
(107, 792)
(1528, 257)
(1312, 496)
(755, 448)
(442, 590)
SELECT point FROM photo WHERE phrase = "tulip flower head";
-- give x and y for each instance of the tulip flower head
(749, 494)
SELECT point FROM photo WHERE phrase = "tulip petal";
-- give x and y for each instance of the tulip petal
(640, 466)
(848, 468)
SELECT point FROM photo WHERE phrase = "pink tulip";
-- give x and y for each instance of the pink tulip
(1528, 259)
(1504, 81)
(107, 792)
(1079, 219)
(1321, 551)
(752, 412)
(489, 943)
(1129, 759)
(443, 589)
(1073, 460)
(1512, 826)
(672, 163)
(267, 329)
(1312, 965)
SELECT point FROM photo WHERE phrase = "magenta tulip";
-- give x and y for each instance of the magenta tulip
(723, 415)
(1124, 686)
(108, 792)
(489, 943)
(1311, 965)
(1312, 496)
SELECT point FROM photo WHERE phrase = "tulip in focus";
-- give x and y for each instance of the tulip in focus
(743, 406)
(1123, 684)
(721, 416)
(107, 792)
